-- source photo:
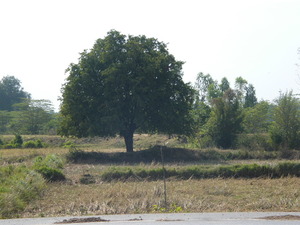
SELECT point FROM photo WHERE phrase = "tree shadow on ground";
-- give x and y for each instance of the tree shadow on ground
(170, 155)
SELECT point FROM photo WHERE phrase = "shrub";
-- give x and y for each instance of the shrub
(68, 144)
(50, 167)
(33, 144)
(52, 161)
(17, 141)
(51, 174)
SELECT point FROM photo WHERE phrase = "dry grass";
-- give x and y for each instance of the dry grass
(209, 195)
(212, 195)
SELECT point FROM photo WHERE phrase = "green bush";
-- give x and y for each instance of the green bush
(33, 144)
(17, 141)
(50, 167)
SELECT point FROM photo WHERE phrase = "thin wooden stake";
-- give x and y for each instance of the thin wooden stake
(164, 175)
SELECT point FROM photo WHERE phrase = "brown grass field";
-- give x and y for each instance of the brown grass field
(206, 195)
(209, 195)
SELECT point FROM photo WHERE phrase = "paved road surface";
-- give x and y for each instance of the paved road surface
(282, 218)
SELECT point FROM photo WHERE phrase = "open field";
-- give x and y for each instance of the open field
(85, 193)
(209, 195)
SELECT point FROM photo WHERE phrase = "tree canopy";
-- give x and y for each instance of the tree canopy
(125, 84)
(11, 92)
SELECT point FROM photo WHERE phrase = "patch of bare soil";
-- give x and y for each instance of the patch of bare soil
(284, 217)
(83, 220)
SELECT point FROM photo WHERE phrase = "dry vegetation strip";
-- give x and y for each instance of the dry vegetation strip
(210, 195)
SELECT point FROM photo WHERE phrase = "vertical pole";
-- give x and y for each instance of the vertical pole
(164, 176)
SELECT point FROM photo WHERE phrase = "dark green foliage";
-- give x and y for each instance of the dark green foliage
(17, 141)
(250, 96)
(11, 93)
(124, 84)
(203, 172)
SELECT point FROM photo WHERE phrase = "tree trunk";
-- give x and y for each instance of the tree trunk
(128, 137)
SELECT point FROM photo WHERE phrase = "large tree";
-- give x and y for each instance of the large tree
(285, 131)
(122, 85)
(11, 92)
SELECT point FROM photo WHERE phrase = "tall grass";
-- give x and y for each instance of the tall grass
(203, 172)
(18, 186)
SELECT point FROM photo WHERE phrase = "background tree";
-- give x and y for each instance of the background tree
(225, 85)
(201, 86)
(124, 84)
(32, 117)
(250, 96)
(285, 129)
(225, 120)
(11, 92)
(257, 119)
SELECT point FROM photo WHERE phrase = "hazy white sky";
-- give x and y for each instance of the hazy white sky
(255, 39)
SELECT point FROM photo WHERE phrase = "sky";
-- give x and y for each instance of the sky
(258, 40)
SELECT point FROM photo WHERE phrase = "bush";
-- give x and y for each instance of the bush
(50, 167)
(52, 161)
(51, 174)
(17, 141)
(68, 144)
(33, 144)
